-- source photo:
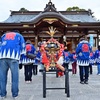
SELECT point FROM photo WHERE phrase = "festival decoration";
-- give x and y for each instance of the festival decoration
(52, 52)
(51, 31)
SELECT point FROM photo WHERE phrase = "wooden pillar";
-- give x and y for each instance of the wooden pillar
(72, 42)
(97, 39)
(86, 33)
(64, 37)
(36, 38)
(0, 33)
(98, 33)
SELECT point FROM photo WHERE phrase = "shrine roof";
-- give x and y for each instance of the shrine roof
(50, 12)
(16, 17)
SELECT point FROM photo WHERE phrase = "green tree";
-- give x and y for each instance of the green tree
(23, 9)
(75, 8)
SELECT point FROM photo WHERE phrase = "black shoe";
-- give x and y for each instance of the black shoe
(86, 82)
(82, 82)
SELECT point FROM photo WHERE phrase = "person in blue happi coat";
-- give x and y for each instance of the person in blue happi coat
(74, 61)
(91, 61)
(12, 46)
(97, 59)
(66, 56)
(83, 52)
(36, 62)
(27, 61)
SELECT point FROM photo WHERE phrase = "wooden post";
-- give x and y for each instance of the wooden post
(97, 39)
(98, 33)
(86, 33)
(36, 41)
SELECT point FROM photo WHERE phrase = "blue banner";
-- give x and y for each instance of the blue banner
(91, 40)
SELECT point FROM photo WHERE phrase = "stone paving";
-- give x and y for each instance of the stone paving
(78, 91)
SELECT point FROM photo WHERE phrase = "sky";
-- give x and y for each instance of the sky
(38, 5)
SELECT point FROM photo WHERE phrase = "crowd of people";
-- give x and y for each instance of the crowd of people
(15, 52)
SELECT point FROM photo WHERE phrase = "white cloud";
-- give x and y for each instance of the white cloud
(39, 5)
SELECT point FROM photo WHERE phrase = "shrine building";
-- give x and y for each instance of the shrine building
(69, 25)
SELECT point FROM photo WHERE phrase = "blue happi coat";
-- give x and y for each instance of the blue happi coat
(83, 51)
(37, 59)
(66, 55)
(97, 56)
(92, 58)
(29, 49)
(73, 57)
(12, 45)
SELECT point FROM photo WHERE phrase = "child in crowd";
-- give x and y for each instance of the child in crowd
(36, 62)
(66, 55)
(97, 58)
(91, 61)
